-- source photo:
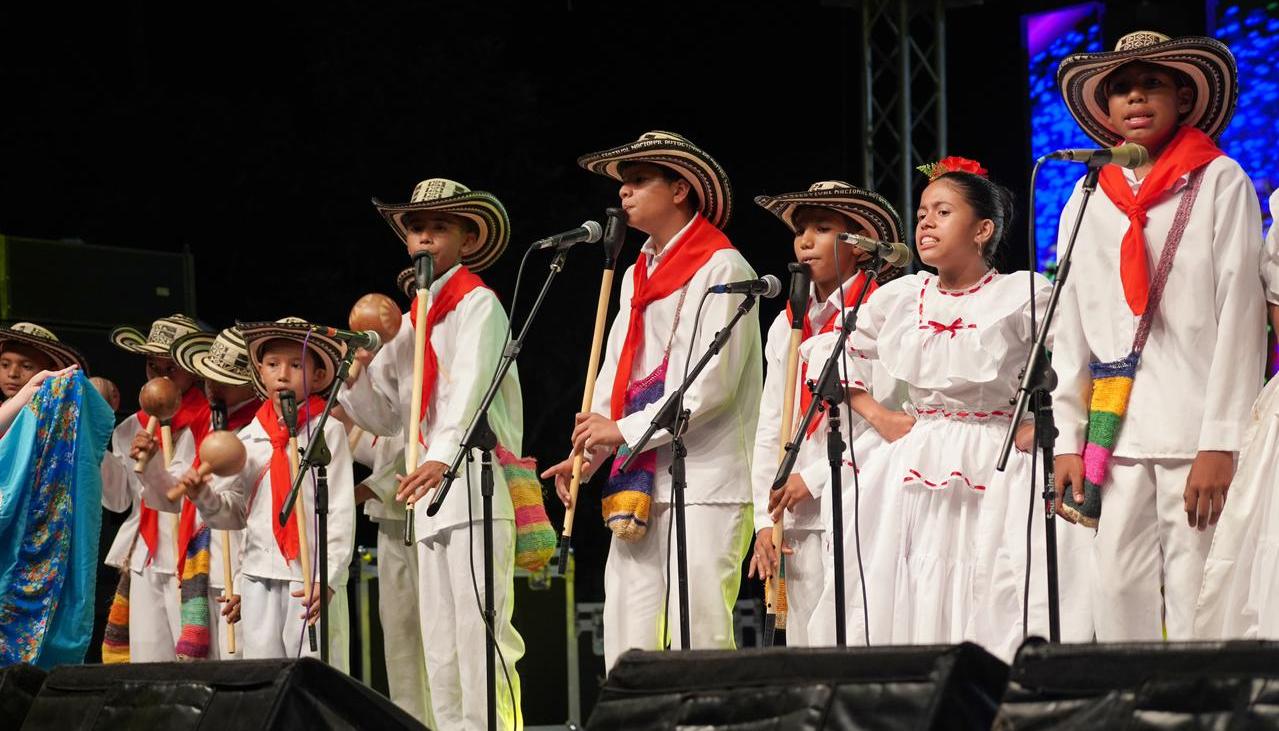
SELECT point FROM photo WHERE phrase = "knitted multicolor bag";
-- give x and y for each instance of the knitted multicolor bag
(627, 498)
(534, 536)
(1112, 381)
(115, 640)
(193, 642)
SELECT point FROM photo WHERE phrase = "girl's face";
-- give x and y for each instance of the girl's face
(948, 233)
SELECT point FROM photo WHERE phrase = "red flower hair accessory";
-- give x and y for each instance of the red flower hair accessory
(951, 164)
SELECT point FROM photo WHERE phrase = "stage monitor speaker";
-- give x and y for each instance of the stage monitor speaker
(234, 694)
(1191, 685)
(929, 687)
(19, 685)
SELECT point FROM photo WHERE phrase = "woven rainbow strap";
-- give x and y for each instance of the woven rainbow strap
(1112, 381)
(115, 640)
(534, 536)
(628, 496)
(193, 642)
(1111, 387)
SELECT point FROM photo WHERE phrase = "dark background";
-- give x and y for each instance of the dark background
(255, 135)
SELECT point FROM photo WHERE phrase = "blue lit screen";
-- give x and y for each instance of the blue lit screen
(1049, 37)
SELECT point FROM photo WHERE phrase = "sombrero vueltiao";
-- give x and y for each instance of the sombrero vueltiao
(164, 333)
(440, 195)
(42, 339)
(677, 153)
(866, 209)
(223, 357)
(1206, 62)
(258, 334)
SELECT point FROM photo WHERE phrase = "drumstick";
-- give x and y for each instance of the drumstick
(424, 273)
(614, 237)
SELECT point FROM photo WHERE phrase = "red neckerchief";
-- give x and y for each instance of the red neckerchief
(852, 288)
(687, 256)
(193, 414)
(186, 522)
(286, 536)
(444, 302)
(1189, 150)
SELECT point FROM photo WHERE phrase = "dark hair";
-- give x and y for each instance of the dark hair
(670, 175)
(989, 200)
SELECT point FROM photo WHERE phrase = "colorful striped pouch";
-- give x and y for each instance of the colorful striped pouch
(534, 536)
(115, 640)
(1112, 381)
(193, 642)
(628, 496)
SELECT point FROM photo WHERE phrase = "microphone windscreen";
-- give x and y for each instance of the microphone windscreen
(898, 256)
(593, 231)
(773, 286)
(1129, 155)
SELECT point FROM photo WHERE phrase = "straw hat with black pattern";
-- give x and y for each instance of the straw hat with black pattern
(258, 334)
(440, 195)
(676, 152)
(1207, 63)
(42, 339)
(164, 333)
(868, 210)
(223, 357)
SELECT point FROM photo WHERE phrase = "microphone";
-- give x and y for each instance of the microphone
(1128, 155)
(588, 233)
(367, 339)
(893, 253)
(766, 286)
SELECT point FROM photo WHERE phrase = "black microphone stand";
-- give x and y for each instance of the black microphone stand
(480, 436)
(1035, 392)
(322, 457)
(673, 417)
(829, 395)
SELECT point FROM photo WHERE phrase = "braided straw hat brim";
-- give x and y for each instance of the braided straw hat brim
(258, 334)
(481, 208)
(207, 356)
(869, 210)
(60, 353)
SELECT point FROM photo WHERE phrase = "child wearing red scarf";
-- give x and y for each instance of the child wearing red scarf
(1164, 454)
(816, 216)
(463, 231)
(144, 549)
(678, 195)
(285, 356)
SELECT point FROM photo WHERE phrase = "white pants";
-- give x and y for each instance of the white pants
(154, 616)
(805, 576)
(397, 572)
(635, 580)
(271, 622)
(453, 631)
(1143, 544)
(219, 638)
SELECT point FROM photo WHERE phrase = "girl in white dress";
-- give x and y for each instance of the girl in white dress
(943, 534)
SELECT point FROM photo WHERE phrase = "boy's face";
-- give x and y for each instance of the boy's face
(159, 366)
(286, 366)
(441, 234)
(18, 363)
(1145, 103)
(649, 198)
(815, 242)
(948, 233)
(230, 396)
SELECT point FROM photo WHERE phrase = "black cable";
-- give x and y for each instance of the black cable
(666, 602)
(857, 487)
(475, 587)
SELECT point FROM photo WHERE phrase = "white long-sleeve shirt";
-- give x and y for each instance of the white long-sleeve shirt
(122, 489)
(385, 457)
(243, 500)
(1202, 364)
(468, 345)
(724, 400)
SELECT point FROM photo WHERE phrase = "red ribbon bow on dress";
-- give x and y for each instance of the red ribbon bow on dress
(952, 328)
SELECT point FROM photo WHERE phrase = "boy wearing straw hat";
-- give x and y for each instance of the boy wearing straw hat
(222, 362)
(1148, 458)
(286, 355)
(816, 217)
(145, 618)
(680, 196)
(464, 231)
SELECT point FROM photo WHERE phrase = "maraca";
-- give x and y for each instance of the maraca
(221, 453)
(160, 399)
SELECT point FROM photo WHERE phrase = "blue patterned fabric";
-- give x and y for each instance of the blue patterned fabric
(50, 516)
